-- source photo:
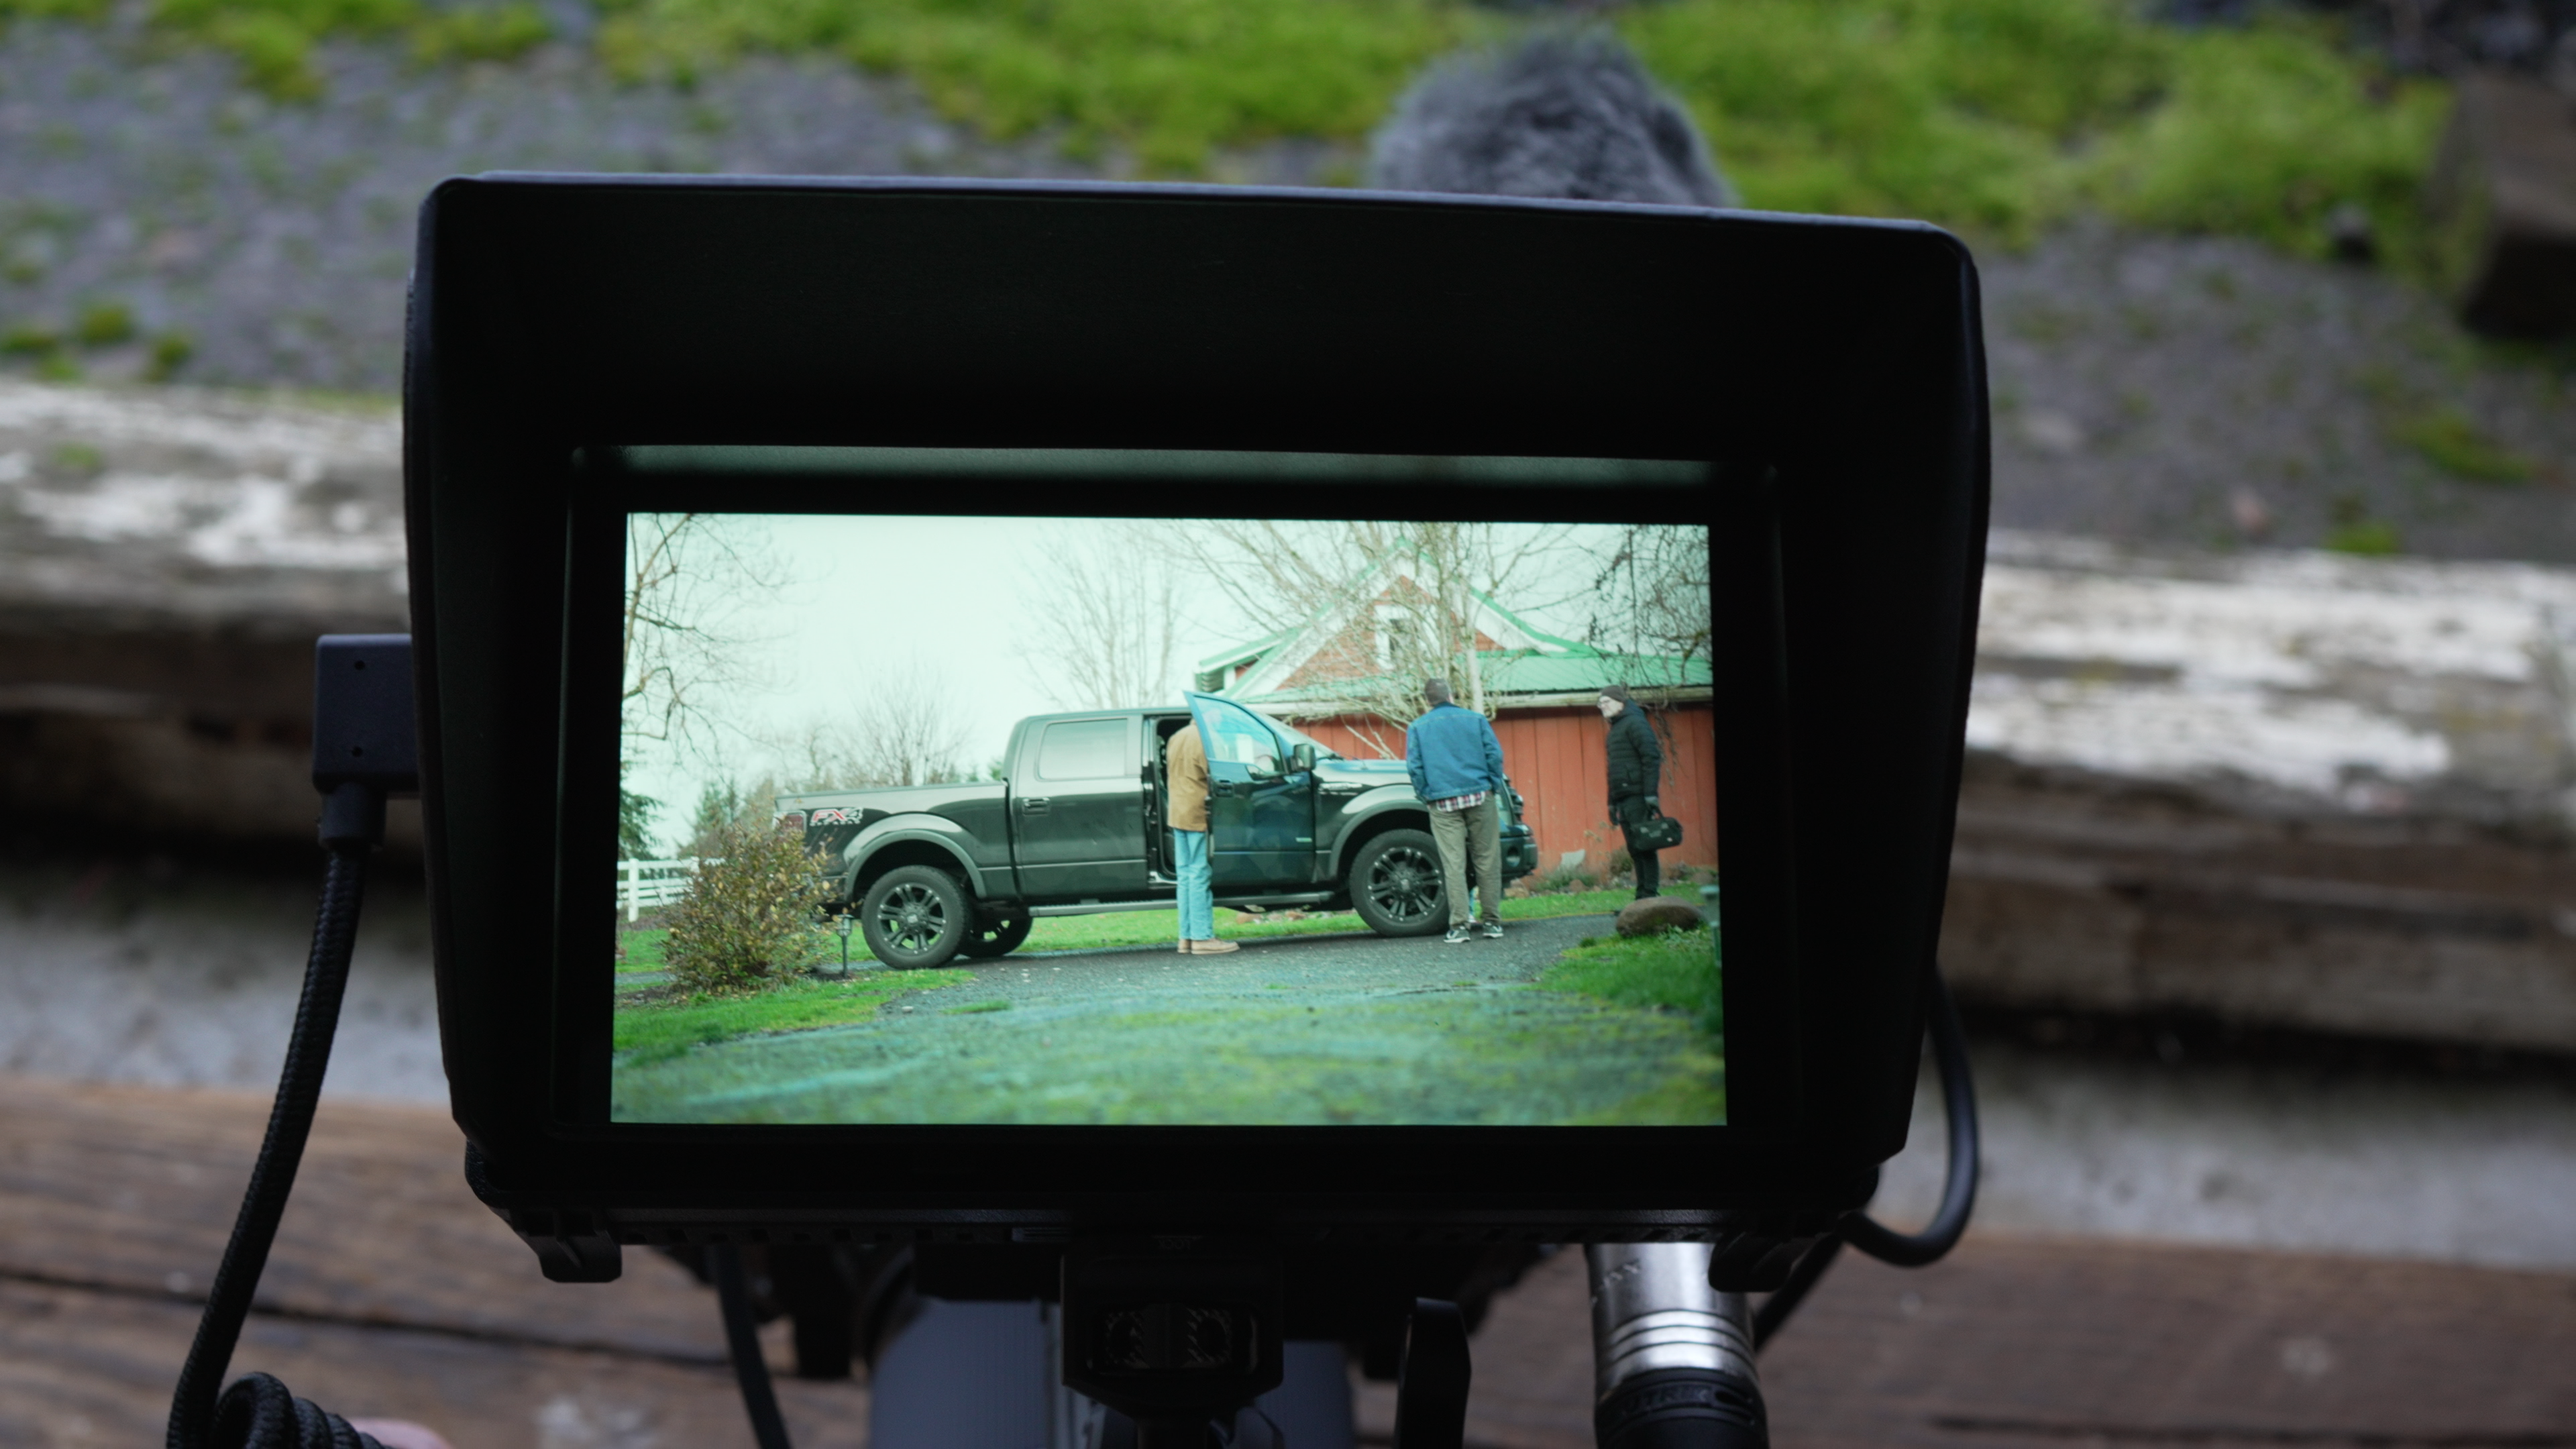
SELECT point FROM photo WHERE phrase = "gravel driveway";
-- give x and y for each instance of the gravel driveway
(1349, 1029)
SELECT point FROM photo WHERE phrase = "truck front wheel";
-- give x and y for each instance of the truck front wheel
(1396, 884)
(915, 917)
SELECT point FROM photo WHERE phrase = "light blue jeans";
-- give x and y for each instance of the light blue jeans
(1190, 864)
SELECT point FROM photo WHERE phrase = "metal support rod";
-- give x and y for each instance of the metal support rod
(1672, 1358)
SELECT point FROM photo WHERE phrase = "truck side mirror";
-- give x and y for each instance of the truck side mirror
(1301, 757)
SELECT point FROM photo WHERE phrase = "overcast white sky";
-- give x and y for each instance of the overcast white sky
(864, 595)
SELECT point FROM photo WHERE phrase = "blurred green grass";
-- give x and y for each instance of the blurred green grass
(653, 1031)
(1675, 971)
(1994, 117)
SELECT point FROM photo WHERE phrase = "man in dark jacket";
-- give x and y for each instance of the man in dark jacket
(1457, 765)
(1636, 773)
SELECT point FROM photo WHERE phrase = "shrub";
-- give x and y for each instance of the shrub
(747, 921)
(170, 352)
(105, 324)
(31, 339)
(1564, 876)
(2366, 538)
(2451, 442)
(2266, 131)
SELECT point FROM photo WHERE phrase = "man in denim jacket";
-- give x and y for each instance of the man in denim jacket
(1457, 765)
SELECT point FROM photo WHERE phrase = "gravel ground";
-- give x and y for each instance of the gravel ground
(2195, 391)
(2211, 393)
(276, 237)
(1358, 961)
(1299, 1029)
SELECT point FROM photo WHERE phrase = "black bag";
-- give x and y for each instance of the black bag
(1655, 831)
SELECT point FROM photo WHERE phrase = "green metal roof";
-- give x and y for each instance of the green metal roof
(1525, 671)
(1253, 650)
(1557, 666)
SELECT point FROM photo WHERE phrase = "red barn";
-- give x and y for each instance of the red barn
(1540, 690)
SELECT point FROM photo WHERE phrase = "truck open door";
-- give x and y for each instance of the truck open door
(1261, 805)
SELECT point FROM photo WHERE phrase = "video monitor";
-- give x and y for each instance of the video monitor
(875, 583)
(1097, 820)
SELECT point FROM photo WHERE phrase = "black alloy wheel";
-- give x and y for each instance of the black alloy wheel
(1397, 885)
(916, 917)
(1000, 937)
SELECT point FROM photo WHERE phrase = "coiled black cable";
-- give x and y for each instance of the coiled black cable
(258, 1412)
(1958, 1193)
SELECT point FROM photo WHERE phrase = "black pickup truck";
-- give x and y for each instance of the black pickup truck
(1077, 826)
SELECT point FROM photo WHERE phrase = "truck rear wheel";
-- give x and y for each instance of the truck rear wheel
(1001, 938)
(1397, 886)
(915, 917)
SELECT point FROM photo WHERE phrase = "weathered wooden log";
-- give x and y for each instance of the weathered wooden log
(393, 1292)
(2292, 789)
(166, 560)
(2300, 790)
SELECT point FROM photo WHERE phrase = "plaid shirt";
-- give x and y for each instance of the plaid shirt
(1456, 803)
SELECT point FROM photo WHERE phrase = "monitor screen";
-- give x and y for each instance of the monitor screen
(1066, 817)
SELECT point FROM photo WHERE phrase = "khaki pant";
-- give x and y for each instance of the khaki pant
(1479, 829)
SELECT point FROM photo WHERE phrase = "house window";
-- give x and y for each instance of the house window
(1399, 636)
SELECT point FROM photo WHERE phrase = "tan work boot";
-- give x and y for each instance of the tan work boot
(1209, 947)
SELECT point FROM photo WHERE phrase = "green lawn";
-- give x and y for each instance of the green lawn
(1613, 1031)
(653, 1031)
(1675, 972)
(1993, 116)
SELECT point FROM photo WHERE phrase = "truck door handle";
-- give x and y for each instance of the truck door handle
(1034, 805)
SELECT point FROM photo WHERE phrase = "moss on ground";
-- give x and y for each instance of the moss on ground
(652, 1031)
(1613, 1031)
(1996, 117)
(1676, 971)
(1486, 1056)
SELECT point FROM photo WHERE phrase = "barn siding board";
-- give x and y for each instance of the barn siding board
(1556, 758)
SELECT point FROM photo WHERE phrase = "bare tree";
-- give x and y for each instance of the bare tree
(1103, 628)
(690, 579)
(905, 732)
(1652, 603)
(908, 731)
(1403, 595)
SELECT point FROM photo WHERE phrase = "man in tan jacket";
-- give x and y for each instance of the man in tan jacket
(1185, 766)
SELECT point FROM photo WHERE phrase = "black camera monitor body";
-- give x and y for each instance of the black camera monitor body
(817, 429)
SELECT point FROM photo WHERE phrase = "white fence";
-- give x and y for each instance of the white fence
(642, 883)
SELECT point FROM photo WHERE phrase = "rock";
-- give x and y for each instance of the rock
(1656, 916)
(2350, 235)
(2503, 195)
